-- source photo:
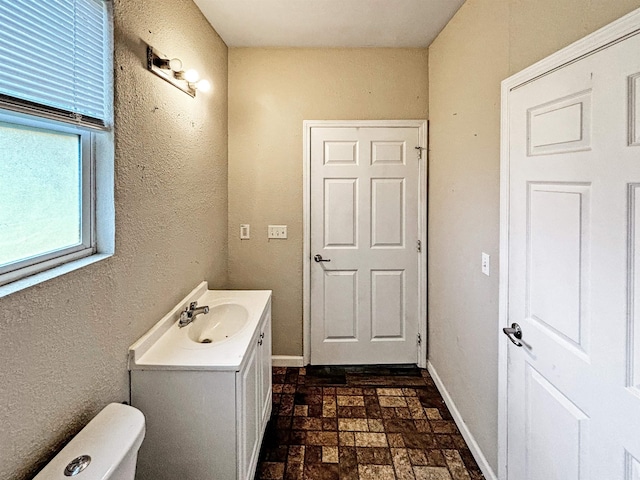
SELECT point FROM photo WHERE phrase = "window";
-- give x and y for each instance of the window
(55, 116)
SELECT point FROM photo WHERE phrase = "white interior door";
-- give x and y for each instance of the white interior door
(364, 194)
(574, 213)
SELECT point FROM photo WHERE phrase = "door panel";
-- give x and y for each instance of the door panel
(391, 153)
(340, 212)
(387, 305)
(633, 468)
(633, 326)
(340, 153)
(558, 243)
(561, 125)
(266, 372)
(364, 219)
(634, 110)
(556, 428)
(341, 305)
(387, 212)
(573, 403)
(250, 414)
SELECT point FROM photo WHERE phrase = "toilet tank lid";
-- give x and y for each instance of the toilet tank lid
(108, 438)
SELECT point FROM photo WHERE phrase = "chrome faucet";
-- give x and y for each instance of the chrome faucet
(189, 314)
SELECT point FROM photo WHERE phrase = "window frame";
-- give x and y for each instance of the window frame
(87, 146)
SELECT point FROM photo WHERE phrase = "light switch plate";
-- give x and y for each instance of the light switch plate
(245, 231)
(486, 263)
(277, 231)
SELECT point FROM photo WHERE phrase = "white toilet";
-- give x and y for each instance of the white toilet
(105, 449)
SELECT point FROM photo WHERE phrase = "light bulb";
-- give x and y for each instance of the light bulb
(175, 64)
(203, 85)
(191, 76)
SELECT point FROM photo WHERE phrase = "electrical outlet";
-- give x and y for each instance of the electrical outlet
(486, 263)
(277, 231)
(245, 231)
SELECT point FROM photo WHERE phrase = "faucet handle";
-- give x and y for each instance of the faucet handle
(193, 305)
(184, 319)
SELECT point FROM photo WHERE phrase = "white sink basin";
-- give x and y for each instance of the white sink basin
(216, 341)
(221, 323)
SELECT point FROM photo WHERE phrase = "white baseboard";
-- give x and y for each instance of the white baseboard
(464, 430)
(287, 361)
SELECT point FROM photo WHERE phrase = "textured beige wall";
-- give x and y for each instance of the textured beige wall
(271, 91)
(485, 42)
(467, 62)
(541, 27)
(64, 343)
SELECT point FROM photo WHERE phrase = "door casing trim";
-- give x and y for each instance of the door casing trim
(616, 31)
(422, 227)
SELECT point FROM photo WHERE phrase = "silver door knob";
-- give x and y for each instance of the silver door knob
(318, 258)
(516, 331)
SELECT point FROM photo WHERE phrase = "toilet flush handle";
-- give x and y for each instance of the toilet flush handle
(77, 465)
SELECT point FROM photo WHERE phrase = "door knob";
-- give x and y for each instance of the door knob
(318, 258)
(516, 331)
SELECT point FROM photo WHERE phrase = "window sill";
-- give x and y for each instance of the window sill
(54, 272)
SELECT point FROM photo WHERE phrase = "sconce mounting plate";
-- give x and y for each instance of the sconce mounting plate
(154, 59)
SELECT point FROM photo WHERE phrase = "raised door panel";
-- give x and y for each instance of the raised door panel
(250, 413)
(556, 432)
(340, 213)
(265, 365)
(387, 212)
(560, 126)
(633, 326)
(634, 109)
(341, 152)
(340, 305)
(557, 272)
(388, 152)
(632, 467)
(388, 307)
(632, 392)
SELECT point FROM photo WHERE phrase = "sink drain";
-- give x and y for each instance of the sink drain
(206, 340)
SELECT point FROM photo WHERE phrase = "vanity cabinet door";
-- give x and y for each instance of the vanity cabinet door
(265, 361)
(250, 414)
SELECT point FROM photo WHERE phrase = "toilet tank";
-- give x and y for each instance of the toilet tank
(111, 439)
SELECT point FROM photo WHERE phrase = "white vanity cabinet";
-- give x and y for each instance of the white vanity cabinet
(204, 422)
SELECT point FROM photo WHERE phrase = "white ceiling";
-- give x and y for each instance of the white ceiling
(328, 23)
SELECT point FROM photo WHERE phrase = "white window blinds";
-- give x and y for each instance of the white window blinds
(53, 57)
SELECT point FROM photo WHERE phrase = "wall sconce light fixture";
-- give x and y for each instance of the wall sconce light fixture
(170, 69)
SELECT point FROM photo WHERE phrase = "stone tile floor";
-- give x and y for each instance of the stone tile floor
(372, 422)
